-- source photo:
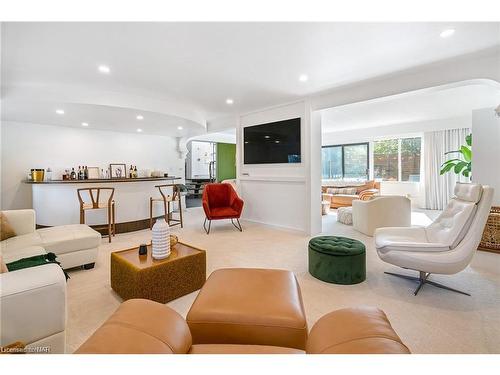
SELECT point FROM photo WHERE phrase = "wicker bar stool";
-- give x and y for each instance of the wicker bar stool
(167, 199)
(96, 204)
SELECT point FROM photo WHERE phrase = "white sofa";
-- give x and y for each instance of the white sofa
(379, 212)
(33, 300)
(75, 245)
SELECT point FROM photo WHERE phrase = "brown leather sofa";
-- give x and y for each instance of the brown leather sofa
(146, 327)
(243, 311)
(363, 192)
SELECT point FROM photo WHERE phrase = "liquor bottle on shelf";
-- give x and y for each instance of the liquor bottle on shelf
(72, 175)
(135, 172)
(86, 173)
(131, 172)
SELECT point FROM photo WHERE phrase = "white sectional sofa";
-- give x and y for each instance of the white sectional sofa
(33, 300)
(75, 245)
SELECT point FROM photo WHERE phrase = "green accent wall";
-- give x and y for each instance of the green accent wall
(226, 161)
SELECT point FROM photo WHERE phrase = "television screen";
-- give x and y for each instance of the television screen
(275, 142)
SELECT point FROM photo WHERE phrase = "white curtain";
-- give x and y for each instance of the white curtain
(439, 189)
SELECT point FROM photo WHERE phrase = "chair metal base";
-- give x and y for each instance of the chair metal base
(423, 279)
(207, 230)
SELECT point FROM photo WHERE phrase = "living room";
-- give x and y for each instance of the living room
(238, 188)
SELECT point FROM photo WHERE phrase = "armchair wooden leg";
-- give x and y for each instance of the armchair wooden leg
(114, 219)
(180, 212)
(109, 224)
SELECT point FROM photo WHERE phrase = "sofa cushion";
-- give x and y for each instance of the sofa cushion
(249, 306)
(11, 254)
(3, 266)
(343, 190)
(361, 330)
(20, 242)
(140, 326)
(69, 238)
(6, 230)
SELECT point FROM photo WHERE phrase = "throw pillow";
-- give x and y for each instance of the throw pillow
(3, 267)
(6, 231)
(346, 190)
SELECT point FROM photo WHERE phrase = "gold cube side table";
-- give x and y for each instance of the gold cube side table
(141, 276)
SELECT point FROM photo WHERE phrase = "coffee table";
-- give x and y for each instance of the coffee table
(141, 276)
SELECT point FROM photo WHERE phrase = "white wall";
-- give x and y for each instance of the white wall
(394, 130)
(26, 146)
(276, 194)
(485, 150)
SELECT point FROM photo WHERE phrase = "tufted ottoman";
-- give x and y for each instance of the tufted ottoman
(337, 260)
(344, 215)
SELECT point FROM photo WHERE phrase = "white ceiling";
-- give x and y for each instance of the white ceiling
(409, 108)
(187, 70)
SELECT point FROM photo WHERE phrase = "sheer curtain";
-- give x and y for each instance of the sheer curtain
(439, 189)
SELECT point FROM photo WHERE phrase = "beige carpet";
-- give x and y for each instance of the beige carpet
(435, 321)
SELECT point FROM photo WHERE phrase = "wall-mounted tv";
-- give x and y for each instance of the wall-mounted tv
(274, 142)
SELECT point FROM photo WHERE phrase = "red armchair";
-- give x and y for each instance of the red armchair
(220, 201)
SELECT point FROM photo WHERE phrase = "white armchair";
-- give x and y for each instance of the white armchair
(381, 211)
(444, 247)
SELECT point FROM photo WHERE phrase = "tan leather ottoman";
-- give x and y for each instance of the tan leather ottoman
(249, 306)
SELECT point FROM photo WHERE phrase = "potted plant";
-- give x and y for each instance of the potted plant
(463, 163)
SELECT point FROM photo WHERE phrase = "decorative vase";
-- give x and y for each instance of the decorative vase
(160, 240)
(173, 240)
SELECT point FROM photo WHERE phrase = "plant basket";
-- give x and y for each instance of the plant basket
(491, 234)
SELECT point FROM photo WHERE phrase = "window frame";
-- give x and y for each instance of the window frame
(352, 144)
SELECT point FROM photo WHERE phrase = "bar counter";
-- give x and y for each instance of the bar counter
(56, 202)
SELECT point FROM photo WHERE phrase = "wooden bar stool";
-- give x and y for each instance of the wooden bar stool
(167, 199)
(96, 204)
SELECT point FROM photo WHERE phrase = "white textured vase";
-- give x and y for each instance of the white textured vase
(161, 239)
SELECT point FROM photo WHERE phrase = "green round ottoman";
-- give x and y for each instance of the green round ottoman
(337, 260)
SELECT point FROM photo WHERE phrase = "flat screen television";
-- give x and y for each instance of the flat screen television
(274, 142)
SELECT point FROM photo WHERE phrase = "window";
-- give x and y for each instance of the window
(397, 159)
(348, 162)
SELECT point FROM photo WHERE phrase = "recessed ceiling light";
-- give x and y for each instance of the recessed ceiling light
(246, 142)
(180, 128)
(276, 141)
(60, 111)
(139, 130)
(267, 136)
(85, 124)
(447, 33)
(104, 69)
(140, 117)
(303, 78)
(229, 101)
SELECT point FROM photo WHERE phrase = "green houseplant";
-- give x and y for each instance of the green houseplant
(463, 163)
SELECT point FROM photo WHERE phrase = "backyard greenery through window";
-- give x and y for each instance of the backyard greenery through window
(397, 159)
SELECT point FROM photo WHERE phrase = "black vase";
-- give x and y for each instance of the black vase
(143, 249)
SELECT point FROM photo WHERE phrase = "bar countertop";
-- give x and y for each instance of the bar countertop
(103, 180)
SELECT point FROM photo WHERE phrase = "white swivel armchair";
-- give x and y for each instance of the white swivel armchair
(381, 211)
(444, 247)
